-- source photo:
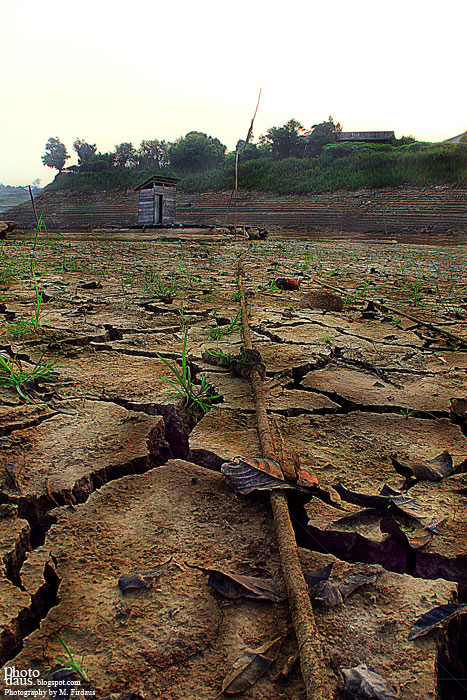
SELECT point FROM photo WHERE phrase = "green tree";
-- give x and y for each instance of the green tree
(250, 151)
(85, 151)
(99, 162)
(285, 141)
(463, 138)
(125, 155)
(403, 141)
(320, 135)
(55, 154)
(154, 153)
(196, 151)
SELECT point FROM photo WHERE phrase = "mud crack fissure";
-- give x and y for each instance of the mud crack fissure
(392, 554)
(349, 406)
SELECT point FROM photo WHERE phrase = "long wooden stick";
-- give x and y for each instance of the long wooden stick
(317, 678)
(237, 159)
(33, 204)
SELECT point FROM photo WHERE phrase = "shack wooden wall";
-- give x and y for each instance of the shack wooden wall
(146, 205)
(146, 208)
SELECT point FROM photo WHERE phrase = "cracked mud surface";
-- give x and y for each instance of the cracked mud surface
(104, 474)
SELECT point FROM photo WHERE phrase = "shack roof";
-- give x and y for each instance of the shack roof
(157, 180)
(365, 136)
(455, 139)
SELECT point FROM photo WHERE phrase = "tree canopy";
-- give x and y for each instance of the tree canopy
(125, 155)
(196, 151)
(85, 151)
(285, 141)
(153, 152)
(55, 154)
(320, 135)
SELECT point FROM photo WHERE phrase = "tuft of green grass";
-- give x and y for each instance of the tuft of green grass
(70, 661)
(271, 285)
(223, 358)
(218, 332)
(358, 294)
(415, 292)
(23, 326)
(200, 397)
(159, 288)
(12, 374)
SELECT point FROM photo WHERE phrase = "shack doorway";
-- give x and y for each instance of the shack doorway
(157, 208)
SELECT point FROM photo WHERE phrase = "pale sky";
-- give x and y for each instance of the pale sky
(116, 71)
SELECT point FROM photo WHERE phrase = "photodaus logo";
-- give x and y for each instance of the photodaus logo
(15, 677)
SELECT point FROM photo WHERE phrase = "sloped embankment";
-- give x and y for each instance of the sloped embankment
(437, 209)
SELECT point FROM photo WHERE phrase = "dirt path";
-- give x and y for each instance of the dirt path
(101, 474)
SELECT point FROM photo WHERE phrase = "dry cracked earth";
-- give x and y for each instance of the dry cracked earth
(102, 474)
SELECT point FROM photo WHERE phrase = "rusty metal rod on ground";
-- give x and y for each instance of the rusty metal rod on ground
(317, 679)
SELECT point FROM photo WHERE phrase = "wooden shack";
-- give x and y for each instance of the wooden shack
(157, 201)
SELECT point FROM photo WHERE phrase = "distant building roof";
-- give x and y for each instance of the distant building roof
(454, 139)
(157, 180)
(367, 136)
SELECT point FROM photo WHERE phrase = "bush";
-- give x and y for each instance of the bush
(348, 166)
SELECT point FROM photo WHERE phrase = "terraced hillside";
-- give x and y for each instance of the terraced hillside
(437, 209)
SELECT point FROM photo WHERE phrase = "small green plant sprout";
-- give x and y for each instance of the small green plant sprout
(181, 313)
(220, 358)
(271, 285)
(200, 397)
(238, 295)
(40, 226)
(30, 324)
(70, 661)
(408, 412)
(415, 292)
(358, 293)
(218, 332)
(13, 374)
(306, 262)
(327, 340)
(160, 288)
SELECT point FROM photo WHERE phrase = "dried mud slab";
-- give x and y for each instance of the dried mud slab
(222, 435)
(66, 454)
(176, 639)
(119, 321)
(20, 415)
(60, 331)
(373, 623)
(415, 392)
(144, 344)
(344, 329)
(281, 357)
(448, 498)
(112, 375)
(238, 395)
